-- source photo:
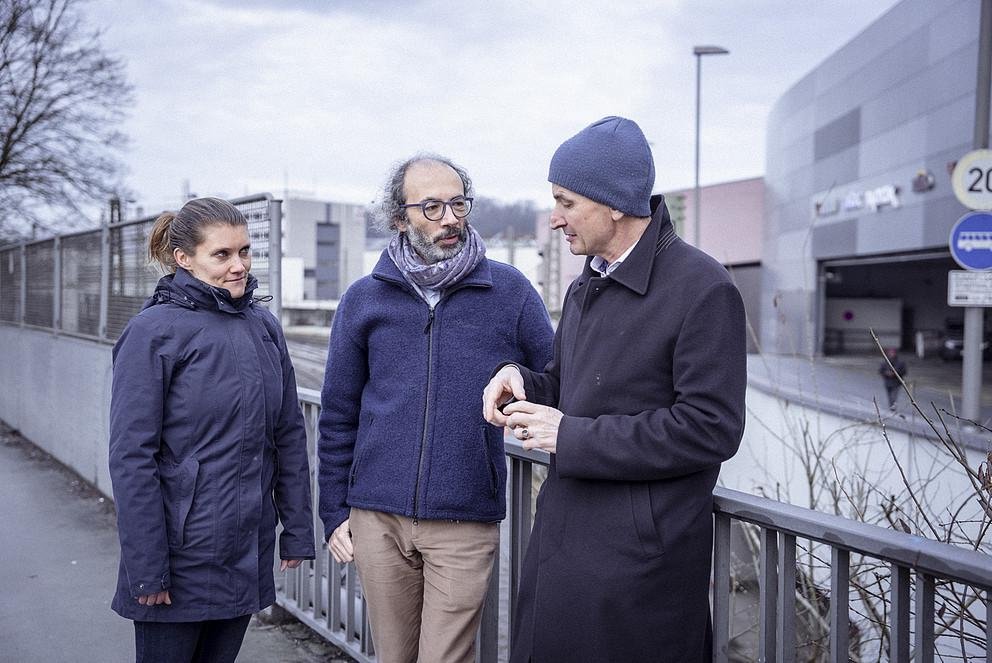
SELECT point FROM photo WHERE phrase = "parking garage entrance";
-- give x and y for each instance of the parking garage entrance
(902, 297)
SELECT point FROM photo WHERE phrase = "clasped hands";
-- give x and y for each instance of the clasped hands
(504, 403)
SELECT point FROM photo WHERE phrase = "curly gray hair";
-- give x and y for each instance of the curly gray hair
(387, 208)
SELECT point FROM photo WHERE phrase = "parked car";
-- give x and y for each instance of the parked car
(952, 346)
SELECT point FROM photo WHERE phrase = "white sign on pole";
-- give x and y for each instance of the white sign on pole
(968, 288)
(972, 179)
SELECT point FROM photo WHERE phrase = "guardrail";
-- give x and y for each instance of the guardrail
(326, 595)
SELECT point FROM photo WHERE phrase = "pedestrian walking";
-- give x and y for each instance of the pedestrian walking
(891, 369)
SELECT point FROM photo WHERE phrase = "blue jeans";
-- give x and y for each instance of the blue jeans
(214, 641)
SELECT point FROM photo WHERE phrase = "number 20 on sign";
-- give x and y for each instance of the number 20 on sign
(972, 180)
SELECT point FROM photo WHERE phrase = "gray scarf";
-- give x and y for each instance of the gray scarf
(436, 275)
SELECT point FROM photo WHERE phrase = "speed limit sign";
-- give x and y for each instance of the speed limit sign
(972, 179)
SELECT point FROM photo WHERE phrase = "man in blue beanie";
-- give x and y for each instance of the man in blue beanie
(642, 402)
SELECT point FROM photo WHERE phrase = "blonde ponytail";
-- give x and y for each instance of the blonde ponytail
(160, 242)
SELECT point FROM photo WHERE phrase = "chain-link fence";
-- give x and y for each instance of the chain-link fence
(92, 283)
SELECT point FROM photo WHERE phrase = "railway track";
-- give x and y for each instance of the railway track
(309, 358)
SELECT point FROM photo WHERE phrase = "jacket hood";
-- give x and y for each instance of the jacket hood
(183, 289)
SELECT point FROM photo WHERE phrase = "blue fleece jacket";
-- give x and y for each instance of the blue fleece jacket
(401, 427)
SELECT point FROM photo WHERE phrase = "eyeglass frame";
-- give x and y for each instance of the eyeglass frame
(444, 204)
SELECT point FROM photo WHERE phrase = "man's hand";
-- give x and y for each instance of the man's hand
(507, 384)
(289, 564)
(157, 598)
(339, 543)
(536, 426)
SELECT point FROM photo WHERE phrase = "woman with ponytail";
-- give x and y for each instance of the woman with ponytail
(207, 445)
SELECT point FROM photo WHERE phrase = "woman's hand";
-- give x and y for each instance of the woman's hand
(289, 564)
(157, 598)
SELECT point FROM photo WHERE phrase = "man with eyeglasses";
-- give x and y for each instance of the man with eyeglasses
(412, 478)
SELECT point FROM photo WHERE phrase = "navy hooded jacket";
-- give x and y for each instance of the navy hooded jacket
(207, 451)
(401, 427)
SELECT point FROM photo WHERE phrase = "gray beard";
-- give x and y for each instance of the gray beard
(425, 247)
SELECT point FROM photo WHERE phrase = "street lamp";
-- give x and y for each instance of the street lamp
(699, 52)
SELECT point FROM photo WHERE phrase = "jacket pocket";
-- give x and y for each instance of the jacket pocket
(362, 444)
(178, 489)
(487, 458)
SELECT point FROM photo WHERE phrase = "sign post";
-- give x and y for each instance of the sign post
(970, 243)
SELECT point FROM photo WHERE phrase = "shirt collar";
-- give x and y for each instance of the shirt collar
(606, 268)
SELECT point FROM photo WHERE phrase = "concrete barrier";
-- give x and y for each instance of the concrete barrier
(55, 390)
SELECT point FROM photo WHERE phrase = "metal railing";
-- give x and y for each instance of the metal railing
(91, 283)
(326, 595)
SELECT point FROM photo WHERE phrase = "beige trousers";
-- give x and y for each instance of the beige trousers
(424, 584)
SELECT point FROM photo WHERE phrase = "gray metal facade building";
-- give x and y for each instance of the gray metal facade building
(859, 203)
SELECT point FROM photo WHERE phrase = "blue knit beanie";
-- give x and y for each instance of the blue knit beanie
(609, 162)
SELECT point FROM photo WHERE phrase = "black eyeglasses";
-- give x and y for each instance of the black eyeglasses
(434, 209)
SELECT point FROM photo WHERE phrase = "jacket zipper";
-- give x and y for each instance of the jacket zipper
(429, 330)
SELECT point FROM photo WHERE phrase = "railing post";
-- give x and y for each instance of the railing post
(521, 477)
(721, 588)
(840, 588)
(988, 626)
(924, 618)
(899, 614)
(767, 594)
(104, 279)
(57, 283)
(786, 623)
(23, 294)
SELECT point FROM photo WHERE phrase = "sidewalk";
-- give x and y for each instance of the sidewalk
(60, 568)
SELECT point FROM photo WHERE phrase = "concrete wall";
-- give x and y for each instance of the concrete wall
(56, 391)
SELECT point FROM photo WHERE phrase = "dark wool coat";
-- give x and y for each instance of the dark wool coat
(650, 372)
(401, 426)
(207, 453)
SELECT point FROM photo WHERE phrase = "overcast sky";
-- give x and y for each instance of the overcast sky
(243, 96)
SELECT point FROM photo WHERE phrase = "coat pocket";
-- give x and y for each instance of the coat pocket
(645, 523)
(178, 490)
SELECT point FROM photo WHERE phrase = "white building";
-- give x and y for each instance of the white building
(329, 237)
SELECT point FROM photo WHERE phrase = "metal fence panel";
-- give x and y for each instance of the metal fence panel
(132, 278)
(128, 279)
(39, 283)
(80, 312)
(10, 284)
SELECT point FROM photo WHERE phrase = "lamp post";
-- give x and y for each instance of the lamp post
(699, 52)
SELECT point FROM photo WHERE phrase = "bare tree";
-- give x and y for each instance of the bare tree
(62, 100)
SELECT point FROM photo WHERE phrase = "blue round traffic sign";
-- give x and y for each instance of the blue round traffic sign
(971, 241)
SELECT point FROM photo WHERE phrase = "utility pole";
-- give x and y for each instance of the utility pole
(971, 365)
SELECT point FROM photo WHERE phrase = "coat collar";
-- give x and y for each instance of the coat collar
(635, 271)
(386, 270)
(183, 289)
